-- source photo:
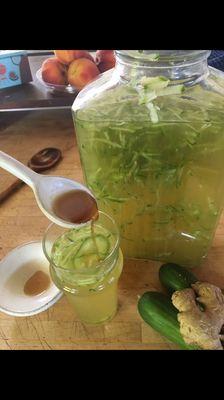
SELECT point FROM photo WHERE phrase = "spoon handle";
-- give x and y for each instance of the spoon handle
(18, 169)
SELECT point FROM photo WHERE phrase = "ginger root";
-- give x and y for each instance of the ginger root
(201, 328)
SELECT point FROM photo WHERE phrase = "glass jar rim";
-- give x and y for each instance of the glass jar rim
(104, 261)
(164, 56)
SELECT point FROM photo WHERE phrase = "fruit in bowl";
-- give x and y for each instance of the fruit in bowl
(105, 59)
(71, 70)
(81, 72)
(54, 72)
(67, 56)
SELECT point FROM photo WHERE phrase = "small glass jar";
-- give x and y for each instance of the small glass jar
(89, 285)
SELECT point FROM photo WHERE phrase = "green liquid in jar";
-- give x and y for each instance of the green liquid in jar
(86, 273)
(161, 182)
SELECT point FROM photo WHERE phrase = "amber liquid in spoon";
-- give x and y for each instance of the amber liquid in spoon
(76, 206)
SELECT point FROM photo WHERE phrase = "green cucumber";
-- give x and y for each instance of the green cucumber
(89, 245)
(157, 310)
(154, 82)
(174, 277)
(87, 255)
(175, 89)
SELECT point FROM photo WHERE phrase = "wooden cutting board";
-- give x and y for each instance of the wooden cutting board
(22, 221)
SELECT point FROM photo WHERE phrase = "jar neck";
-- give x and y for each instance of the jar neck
(180, 66)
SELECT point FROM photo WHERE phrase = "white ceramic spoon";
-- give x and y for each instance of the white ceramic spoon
(45, 188)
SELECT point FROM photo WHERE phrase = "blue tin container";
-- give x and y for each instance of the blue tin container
(14, 68)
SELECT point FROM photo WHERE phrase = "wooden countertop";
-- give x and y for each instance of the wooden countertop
(21, 221)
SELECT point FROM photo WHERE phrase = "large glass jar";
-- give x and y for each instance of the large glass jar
(151, 139)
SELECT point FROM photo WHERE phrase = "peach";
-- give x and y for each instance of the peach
(67, 56)
(54, 72)
(81, 72)
(105, 59)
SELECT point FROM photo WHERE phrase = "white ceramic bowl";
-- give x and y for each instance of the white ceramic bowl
(15, 269)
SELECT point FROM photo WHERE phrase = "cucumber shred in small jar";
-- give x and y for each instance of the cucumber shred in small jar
(86, 263)
(151, 140)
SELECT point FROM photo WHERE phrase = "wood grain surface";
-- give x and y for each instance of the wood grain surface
(21, 221)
